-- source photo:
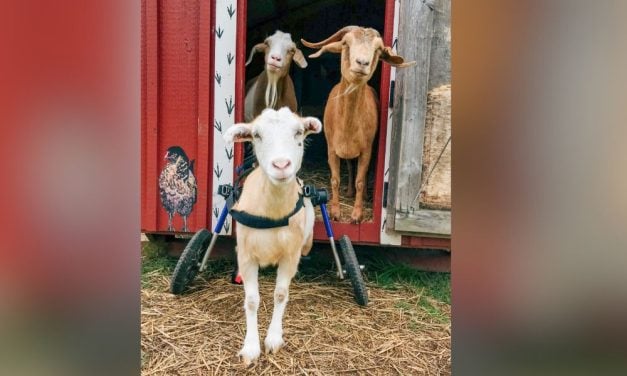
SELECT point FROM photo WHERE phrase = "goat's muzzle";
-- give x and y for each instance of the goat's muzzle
(274, 67)
(281, 164)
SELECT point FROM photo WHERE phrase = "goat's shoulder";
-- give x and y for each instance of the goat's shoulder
(251, 82)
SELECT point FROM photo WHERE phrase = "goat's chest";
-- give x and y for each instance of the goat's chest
(352, 139)
(269, 246)
(350, 130)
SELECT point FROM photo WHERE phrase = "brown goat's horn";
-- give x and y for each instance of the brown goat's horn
(333, 38)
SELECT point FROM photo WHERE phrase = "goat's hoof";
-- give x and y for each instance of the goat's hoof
(335, 212)
(273, 344)
(357, 216)
(249, 354)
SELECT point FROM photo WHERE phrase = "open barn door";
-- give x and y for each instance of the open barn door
(315, 21)
(419, 189)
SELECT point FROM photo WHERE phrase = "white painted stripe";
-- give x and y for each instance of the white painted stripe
(224, 102)
(392, 238)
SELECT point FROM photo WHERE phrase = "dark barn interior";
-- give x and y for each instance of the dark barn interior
(315, 21)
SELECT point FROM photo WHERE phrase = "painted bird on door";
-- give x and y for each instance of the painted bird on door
(177, 185)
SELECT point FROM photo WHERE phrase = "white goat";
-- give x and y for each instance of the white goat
(273, 88)
(272, 194)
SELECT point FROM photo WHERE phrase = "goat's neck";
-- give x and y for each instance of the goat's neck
(352, 101)
(273, 88)
(262, 197)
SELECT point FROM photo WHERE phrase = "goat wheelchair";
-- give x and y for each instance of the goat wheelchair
(196, 254)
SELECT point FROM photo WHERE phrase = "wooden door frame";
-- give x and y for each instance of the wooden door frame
(402, 216)
(369, 232)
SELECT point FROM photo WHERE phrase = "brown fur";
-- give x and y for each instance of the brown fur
(285, 91)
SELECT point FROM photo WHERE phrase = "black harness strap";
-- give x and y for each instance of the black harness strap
(260, 222)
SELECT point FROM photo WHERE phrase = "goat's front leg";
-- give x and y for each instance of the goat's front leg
(285, 273)
(251, 349)
(360, 185)
(334, 165)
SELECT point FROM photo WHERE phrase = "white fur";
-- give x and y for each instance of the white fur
(279, 45)
(276, 136)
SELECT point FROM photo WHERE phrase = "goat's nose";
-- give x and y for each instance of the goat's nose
(275, 57)
(281, 163)
(363, 62)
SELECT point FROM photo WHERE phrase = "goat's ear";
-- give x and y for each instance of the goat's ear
(312, 125)
(393, 59)
(239, 132)
(299, 58)
(335, 47)
(259, 47)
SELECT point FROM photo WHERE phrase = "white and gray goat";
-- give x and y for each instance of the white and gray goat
(273, 88)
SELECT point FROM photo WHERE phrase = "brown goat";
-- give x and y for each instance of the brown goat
(351, 115)
(273, 88)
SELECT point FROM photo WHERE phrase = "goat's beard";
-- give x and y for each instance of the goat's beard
(351, 88)
(272, 90)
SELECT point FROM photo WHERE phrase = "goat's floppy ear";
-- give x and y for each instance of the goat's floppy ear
(335, 47)
(239, 132)
(299, 58)
(259, 47)
(312, 125)
(393, 59)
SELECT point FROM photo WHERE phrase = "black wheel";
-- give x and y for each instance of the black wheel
(354, 271)
(187, 266)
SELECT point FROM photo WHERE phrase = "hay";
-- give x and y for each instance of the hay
(320, 175)
(200, 333)
(436, 160)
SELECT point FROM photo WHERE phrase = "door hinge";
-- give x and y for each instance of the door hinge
(391, 99)
(385, 194)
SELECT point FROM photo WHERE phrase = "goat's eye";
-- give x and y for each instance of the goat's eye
(257, 136)
(299, 133)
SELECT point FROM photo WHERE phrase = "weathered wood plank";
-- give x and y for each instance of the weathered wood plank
(414, 43)
(440, 69)
(428, 222)
(435, 187)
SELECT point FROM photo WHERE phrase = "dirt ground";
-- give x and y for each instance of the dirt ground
(326, 332)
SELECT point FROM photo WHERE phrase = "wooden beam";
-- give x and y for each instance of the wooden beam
(427, 222)
(410, 99)
(440, 70)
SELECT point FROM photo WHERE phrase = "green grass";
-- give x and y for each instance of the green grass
(155, 260)
(433, 288)
(393, 275)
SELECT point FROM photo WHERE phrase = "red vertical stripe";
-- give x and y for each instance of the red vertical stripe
(240, 69)
(371, 233)
(204, 127)
(212, 47)
(143, 115)
(152, 121)
(240, 78)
